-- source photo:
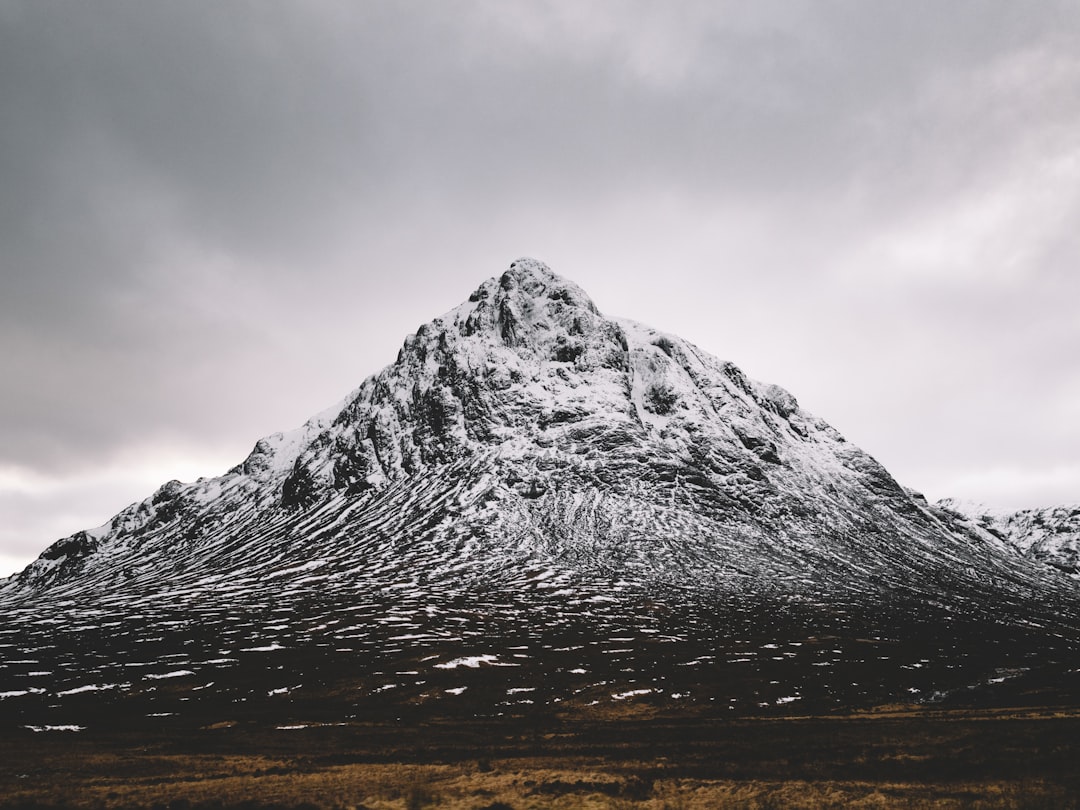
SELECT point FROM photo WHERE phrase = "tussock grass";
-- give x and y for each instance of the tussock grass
(983, 761)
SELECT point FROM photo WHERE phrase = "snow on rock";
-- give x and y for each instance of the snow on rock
(1050, 535)
(472, 661)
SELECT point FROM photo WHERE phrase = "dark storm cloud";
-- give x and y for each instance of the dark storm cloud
(202, 200)
(261, 125)
(241, 120)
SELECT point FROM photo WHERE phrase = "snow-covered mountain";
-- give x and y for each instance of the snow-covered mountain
(527, 468)
(566, 433)
(1050, 535)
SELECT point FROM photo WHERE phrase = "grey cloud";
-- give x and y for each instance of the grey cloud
(202, 199)
(251, 118)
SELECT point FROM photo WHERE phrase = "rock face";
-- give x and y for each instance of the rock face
(526, 463)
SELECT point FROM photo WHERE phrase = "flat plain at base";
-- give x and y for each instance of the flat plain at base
(898, 757)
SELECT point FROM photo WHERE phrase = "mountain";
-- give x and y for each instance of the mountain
(1050, 535)
(538, 506)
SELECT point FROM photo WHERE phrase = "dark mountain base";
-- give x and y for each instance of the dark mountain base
(905, 759)
(657, 701)
(173, 672)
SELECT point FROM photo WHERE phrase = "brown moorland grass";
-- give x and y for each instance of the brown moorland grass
(898, 758)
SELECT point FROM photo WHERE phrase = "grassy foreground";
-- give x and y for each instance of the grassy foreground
(901, 758)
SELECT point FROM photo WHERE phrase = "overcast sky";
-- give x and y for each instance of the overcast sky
(217, 218)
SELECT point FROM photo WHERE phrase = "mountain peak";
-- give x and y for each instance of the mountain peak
(531, 279)
(528, 304)
(526, 269)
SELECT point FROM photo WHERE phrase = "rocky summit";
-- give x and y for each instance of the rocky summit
(537, 508)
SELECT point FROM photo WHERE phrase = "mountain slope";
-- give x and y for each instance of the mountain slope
(531, 469)
(1050, 535)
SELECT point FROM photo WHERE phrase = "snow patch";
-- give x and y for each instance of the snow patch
(474, 662)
